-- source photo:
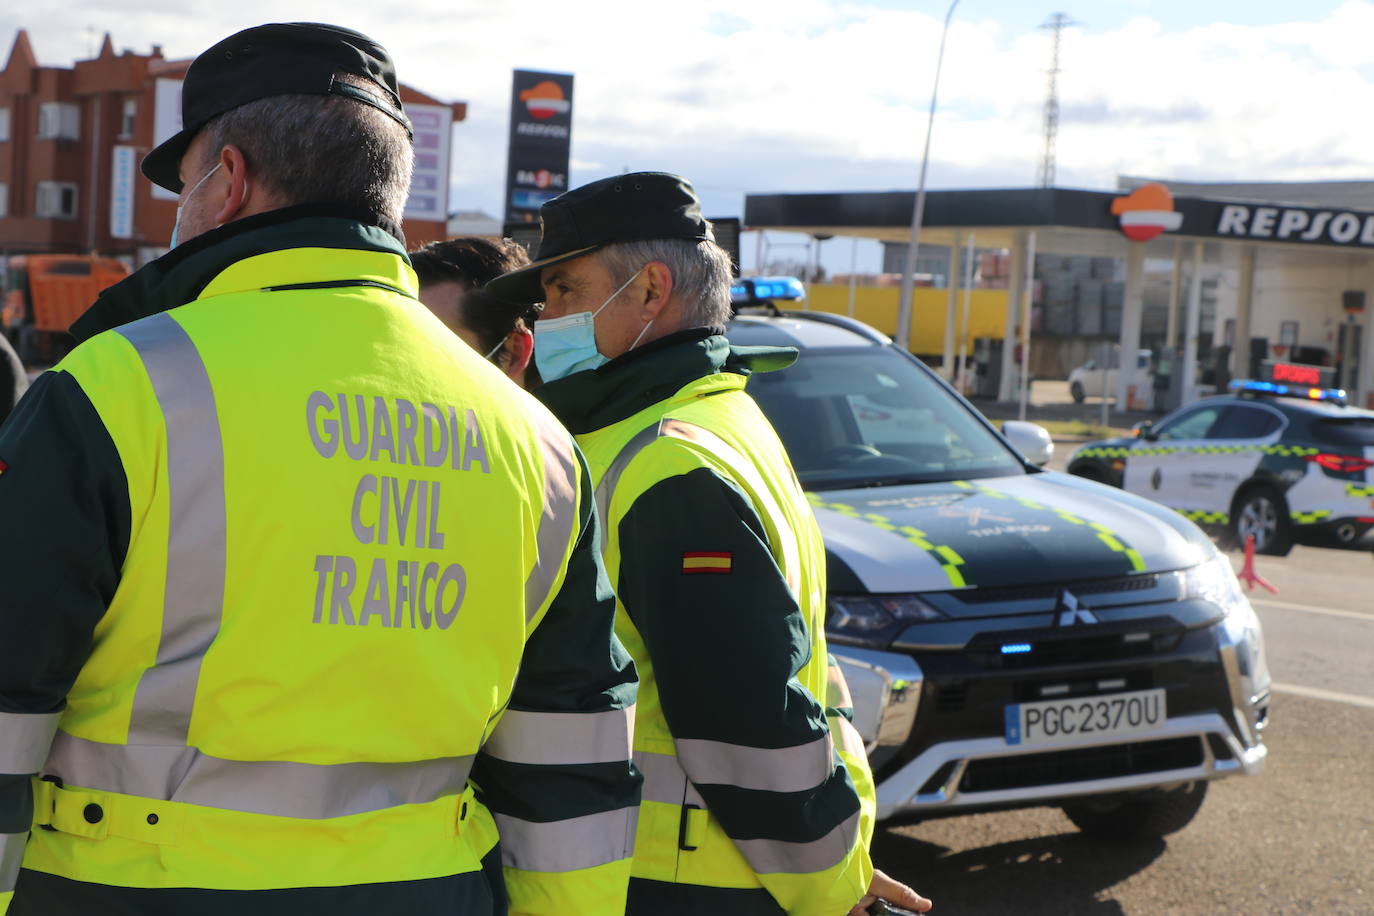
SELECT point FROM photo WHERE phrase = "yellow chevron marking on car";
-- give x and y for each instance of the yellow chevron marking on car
(1205, 516)
(1104, 534)
(1308, 518)
(946, 556)
(1355, 489)
(1284, 451)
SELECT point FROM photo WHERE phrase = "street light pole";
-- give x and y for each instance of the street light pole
(918, 212)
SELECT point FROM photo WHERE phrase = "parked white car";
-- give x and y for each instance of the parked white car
(1092, 380)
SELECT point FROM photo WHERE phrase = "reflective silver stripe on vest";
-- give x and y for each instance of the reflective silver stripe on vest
(605, 489)
(301, 790)
(567, 845)
(563, 737)
(24, 741)
(784, 769)
(560, 515)
(664, 779)
(11, 855)
(851, 742)
(769, 857)
(193, 601)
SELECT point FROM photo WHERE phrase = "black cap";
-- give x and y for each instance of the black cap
(637, 207)
(283, 58)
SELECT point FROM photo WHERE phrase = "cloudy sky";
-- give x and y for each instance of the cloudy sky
(810, 95)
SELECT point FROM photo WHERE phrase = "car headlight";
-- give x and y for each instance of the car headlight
(873, 620)
(1214, 581)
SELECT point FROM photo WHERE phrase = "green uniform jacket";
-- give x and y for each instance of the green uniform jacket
(285, 564)
(749, 806)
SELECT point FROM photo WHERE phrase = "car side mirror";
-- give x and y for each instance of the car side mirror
(1145, 429)
(1031, 440)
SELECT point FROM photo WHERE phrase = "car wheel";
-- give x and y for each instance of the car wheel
(1076, 390)
(1146, 816)
(1263, 513)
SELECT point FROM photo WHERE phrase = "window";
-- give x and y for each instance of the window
(4, 124)
(1288, 333)
(127, 118)
(1246, 423)
(55, 200)
(1356, 432)
(1192, 425)
(867, 416)
(59, 121)
(4, 200)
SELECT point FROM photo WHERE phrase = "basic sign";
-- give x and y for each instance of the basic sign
(1302, 375)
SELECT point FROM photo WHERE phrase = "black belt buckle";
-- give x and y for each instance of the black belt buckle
(682, 828)
(57, 781)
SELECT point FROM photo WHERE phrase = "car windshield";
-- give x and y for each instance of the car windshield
(867, 416)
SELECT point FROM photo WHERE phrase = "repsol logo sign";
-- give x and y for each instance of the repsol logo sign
(1292, 224)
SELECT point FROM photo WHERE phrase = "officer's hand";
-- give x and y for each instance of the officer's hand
(894, 892)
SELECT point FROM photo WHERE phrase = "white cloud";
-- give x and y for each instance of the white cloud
(814, 95)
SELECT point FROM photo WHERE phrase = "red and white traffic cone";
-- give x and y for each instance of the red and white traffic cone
(1247, 572)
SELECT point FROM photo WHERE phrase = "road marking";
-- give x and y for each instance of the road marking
(1309, 609)
(1316, 693)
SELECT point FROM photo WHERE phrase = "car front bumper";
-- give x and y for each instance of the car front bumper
(955, 757)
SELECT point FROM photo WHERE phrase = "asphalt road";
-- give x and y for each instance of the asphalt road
(1298, 838)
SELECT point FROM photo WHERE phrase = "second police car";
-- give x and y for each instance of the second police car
(1012, 636)
(1281, 462)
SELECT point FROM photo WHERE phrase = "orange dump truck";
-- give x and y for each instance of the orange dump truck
(45, 293)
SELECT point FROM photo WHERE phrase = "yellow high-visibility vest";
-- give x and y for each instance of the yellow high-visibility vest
(345, 526)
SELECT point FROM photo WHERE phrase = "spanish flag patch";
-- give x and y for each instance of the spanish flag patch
(707, 561)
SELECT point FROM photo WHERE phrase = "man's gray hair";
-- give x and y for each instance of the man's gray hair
(701, 274)
(321, 149)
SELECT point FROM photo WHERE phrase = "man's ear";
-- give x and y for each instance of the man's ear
(519, 351)
(657, 290)
(235, 199)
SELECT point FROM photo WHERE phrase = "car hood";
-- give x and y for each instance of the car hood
(1021, 530)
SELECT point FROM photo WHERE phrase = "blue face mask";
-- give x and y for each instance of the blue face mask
(176, 226)
(566, 345)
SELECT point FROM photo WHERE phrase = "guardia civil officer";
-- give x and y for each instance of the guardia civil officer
(452, 274)
(716, 558)
(290, 569)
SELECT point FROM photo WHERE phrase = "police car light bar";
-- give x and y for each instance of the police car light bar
(752, 290)
(1335, 395)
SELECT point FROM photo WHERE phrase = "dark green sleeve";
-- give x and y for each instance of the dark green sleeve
(726, 648)
(562, 747)
(64, 531)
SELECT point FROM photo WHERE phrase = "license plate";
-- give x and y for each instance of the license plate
(1104, 716)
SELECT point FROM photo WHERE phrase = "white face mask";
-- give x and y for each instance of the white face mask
(176, 226)
(566, 345)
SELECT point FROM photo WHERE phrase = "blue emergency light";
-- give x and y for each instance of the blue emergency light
(1016, 648)
(1334, 395)
(753, 290)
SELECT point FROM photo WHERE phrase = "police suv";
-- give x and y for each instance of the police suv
(1012, 636)
(1278, 461)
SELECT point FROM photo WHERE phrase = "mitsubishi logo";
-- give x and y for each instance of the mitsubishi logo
(1069, 613)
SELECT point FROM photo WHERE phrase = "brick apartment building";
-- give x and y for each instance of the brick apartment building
(71, 139)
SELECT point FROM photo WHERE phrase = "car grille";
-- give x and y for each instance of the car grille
(1015, 593)
(1077, 644)
(1082, 764)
